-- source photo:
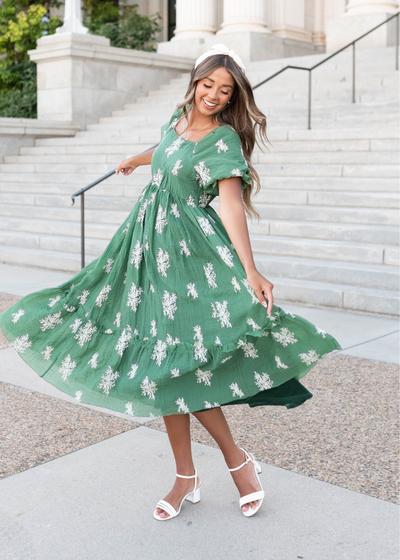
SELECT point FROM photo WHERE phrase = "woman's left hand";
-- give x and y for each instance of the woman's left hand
(263, 289)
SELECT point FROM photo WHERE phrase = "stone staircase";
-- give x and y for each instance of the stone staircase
(328, 234)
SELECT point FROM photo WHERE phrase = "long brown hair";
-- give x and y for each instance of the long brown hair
(242, 114)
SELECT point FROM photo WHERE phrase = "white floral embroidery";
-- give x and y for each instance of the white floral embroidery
(169, 304)
(135, 332)
(202, 173)
(117, 321)
(218, 341)
(235, 284)
(109, 331)
(225, 255)
(153, 328)
(209, 405)
(107, 380)
(191, 291)
(159, 352)
(162, 262)
(174, 372)
(85, 333)
(205, 226)
(191, 201)
(173, 124)
(236, 173)
(78, 395)
(67, 367)
(200, 352)
(103, 295)
(157, 178)
(47, 353)
(236, 392)
(70, 309)
(226, 359)
(184, 248)
(182, 406)
(75, 325)
(177, 167)
(93, 360)
(83, 297)
(253, 324)
(174, 147)
(17, 316)
(221, 146)
(280, 364)
(263, 381)
(125, 230)
(53, 301)
(142, 212)
(108, 267)
(123, 341)
(172, 341)
(125, 277)
(129, 409)
(321, 332)
(133, 371)
(152, 198)
(134, 297)
(248, 349)
(148, 388)
(220, 312)
(50, 321)
(285, 337)
(137, 255)
(174, 210)
(310, 357)
(210, 275)
(161, 220)
(254, 298)
(289, 313)
(204, 199)
(204, 377)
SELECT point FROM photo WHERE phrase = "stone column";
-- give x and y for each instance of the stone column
(244, 15)
(318, 36)
(287, 19)
(358, 7)
(72, 18)
(195, 19)
(360, 17)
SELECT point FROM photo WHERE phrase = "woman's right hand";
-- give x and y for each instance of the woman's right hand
(125, 167)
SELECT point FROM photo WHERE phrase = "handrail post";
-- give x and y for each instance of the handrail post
(83, 230)
(397, 42)
(354, 72)
(309, 100)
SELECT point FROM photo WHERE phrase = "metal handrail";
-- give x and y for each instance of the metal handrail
(81, 193)
(309, 70)
(353, 44)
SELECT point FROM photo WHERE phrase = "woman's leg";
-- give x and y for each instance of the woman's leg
(215, 423)
(178, 429)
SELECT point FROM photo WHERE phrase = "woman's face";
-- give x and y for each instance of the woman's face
(214, 92)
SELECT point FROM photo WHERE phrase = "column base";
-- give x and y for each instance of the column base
(248, 45)
(343, 30)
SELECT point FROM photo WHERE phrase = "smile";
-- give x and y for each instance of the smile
(209, 105)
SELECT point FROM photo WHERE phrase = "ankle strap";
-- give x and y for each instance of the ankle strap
(183, 476)
(248, 458)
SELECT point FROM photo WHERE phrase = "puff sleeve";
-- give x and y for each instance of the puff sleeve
(224, 160)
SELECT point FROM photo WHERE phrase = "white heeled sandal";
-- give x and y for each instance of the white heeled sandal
(193, 496)
(255, 495)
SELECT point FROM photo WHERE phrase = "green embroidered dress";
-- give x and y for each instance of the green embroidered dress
(165, 321)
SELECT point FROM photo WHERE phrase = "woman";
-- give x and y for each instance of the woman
(174, 317)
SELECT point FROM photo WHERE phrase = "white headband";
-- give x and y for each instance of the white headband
(221, 49)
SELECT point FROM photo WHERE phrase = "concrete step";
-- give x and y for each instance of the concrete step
(53, 260)
(57, 227)
(347, 157)
(65, 214)
(57, 243)
(337, 272)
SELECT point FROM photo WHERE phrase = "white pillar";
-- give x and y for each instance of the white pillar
(244, 15)
(195, 19)
(72, 18)
(361, 7)
(287, 19)
(318, 36)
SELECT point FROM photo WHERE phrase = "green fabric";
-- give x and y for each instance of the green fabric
(165, 322)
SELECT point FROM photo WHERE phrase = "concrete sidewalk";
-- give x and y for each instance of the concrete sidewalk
(97, 502)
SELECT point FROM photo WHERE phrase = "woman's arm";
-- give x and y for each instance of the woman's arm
(233, 218)
(126, 166)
